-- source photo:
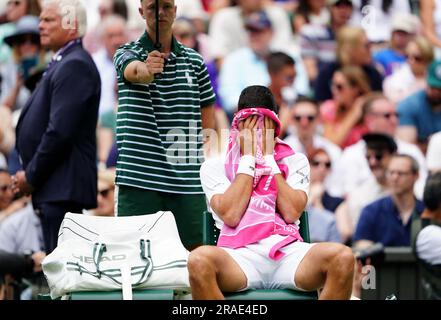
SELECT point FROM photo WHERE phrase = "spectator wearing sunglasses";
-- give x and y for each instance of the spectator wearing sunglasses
(379, 150)
(410, 77)
(322, 225)
(353, 49)
(321, 165)
(28, 58)
(342, 116)
(304, 136)
(106, 192)
(379, 116)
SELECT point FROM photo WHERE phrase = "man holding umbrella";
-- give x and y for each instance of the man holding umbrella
(165, 99)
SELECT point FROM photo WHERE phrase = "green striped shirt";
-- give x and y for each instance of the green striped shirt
(159, 124)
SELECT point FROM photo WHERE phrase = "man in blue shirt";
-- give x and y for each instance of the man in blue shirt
(404, 27)
(388, 220)
(420, 114)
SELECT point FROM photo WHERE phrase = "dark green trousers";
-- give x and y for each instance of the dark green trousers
(187, 209)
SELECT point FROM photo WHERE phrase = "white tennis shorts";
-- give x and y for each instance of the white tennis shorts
(261, 271)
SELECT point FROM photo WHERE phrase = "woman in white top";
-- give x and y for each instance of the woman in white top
(411, 76)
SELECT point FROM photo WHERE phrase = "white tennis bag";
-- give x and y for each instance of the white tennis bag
(107, 253)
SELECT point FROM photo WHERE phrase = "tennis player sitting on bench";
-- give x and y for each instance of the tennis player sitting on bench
(257, 194)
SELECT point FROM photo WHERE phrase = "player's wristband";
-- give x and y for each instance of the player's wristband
(247, 165)
(271, 162)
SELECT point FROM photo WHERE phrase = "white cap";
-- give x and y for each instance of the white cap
(405, 22)
(433, 155)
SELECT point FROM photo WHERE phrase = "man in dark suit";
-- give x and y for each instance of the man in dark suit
(56, 130)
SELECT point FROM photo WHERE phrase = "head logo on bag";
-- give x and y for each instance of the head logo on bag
(85, 259)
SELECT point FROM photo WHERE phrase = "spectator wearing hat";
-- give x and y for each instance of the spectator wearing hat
(388, 220)
(420, 114)
(228, 33)
(404, 28)
(56, 131)
(28, 58)
(248, 65)
(411, 76)
(15, 9)
(318, 42)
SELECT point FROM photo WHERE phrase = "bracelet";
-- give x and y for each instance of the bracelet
(247, 165)
(271, 162)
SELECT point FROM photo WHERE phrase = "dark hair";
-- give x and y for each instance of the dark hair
(432, 192)
(120, 7)
(304, 9)
(277, 60)
(257, 97)
(305, 99)
(380, 142)
(33, 8)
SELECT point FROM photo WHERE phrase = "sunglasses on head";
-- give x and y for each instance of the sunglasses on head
(298, 118)
(316, 163)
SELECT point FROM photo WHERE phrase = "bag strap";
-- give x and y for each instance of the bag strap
(145, 255)
(98, 252)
